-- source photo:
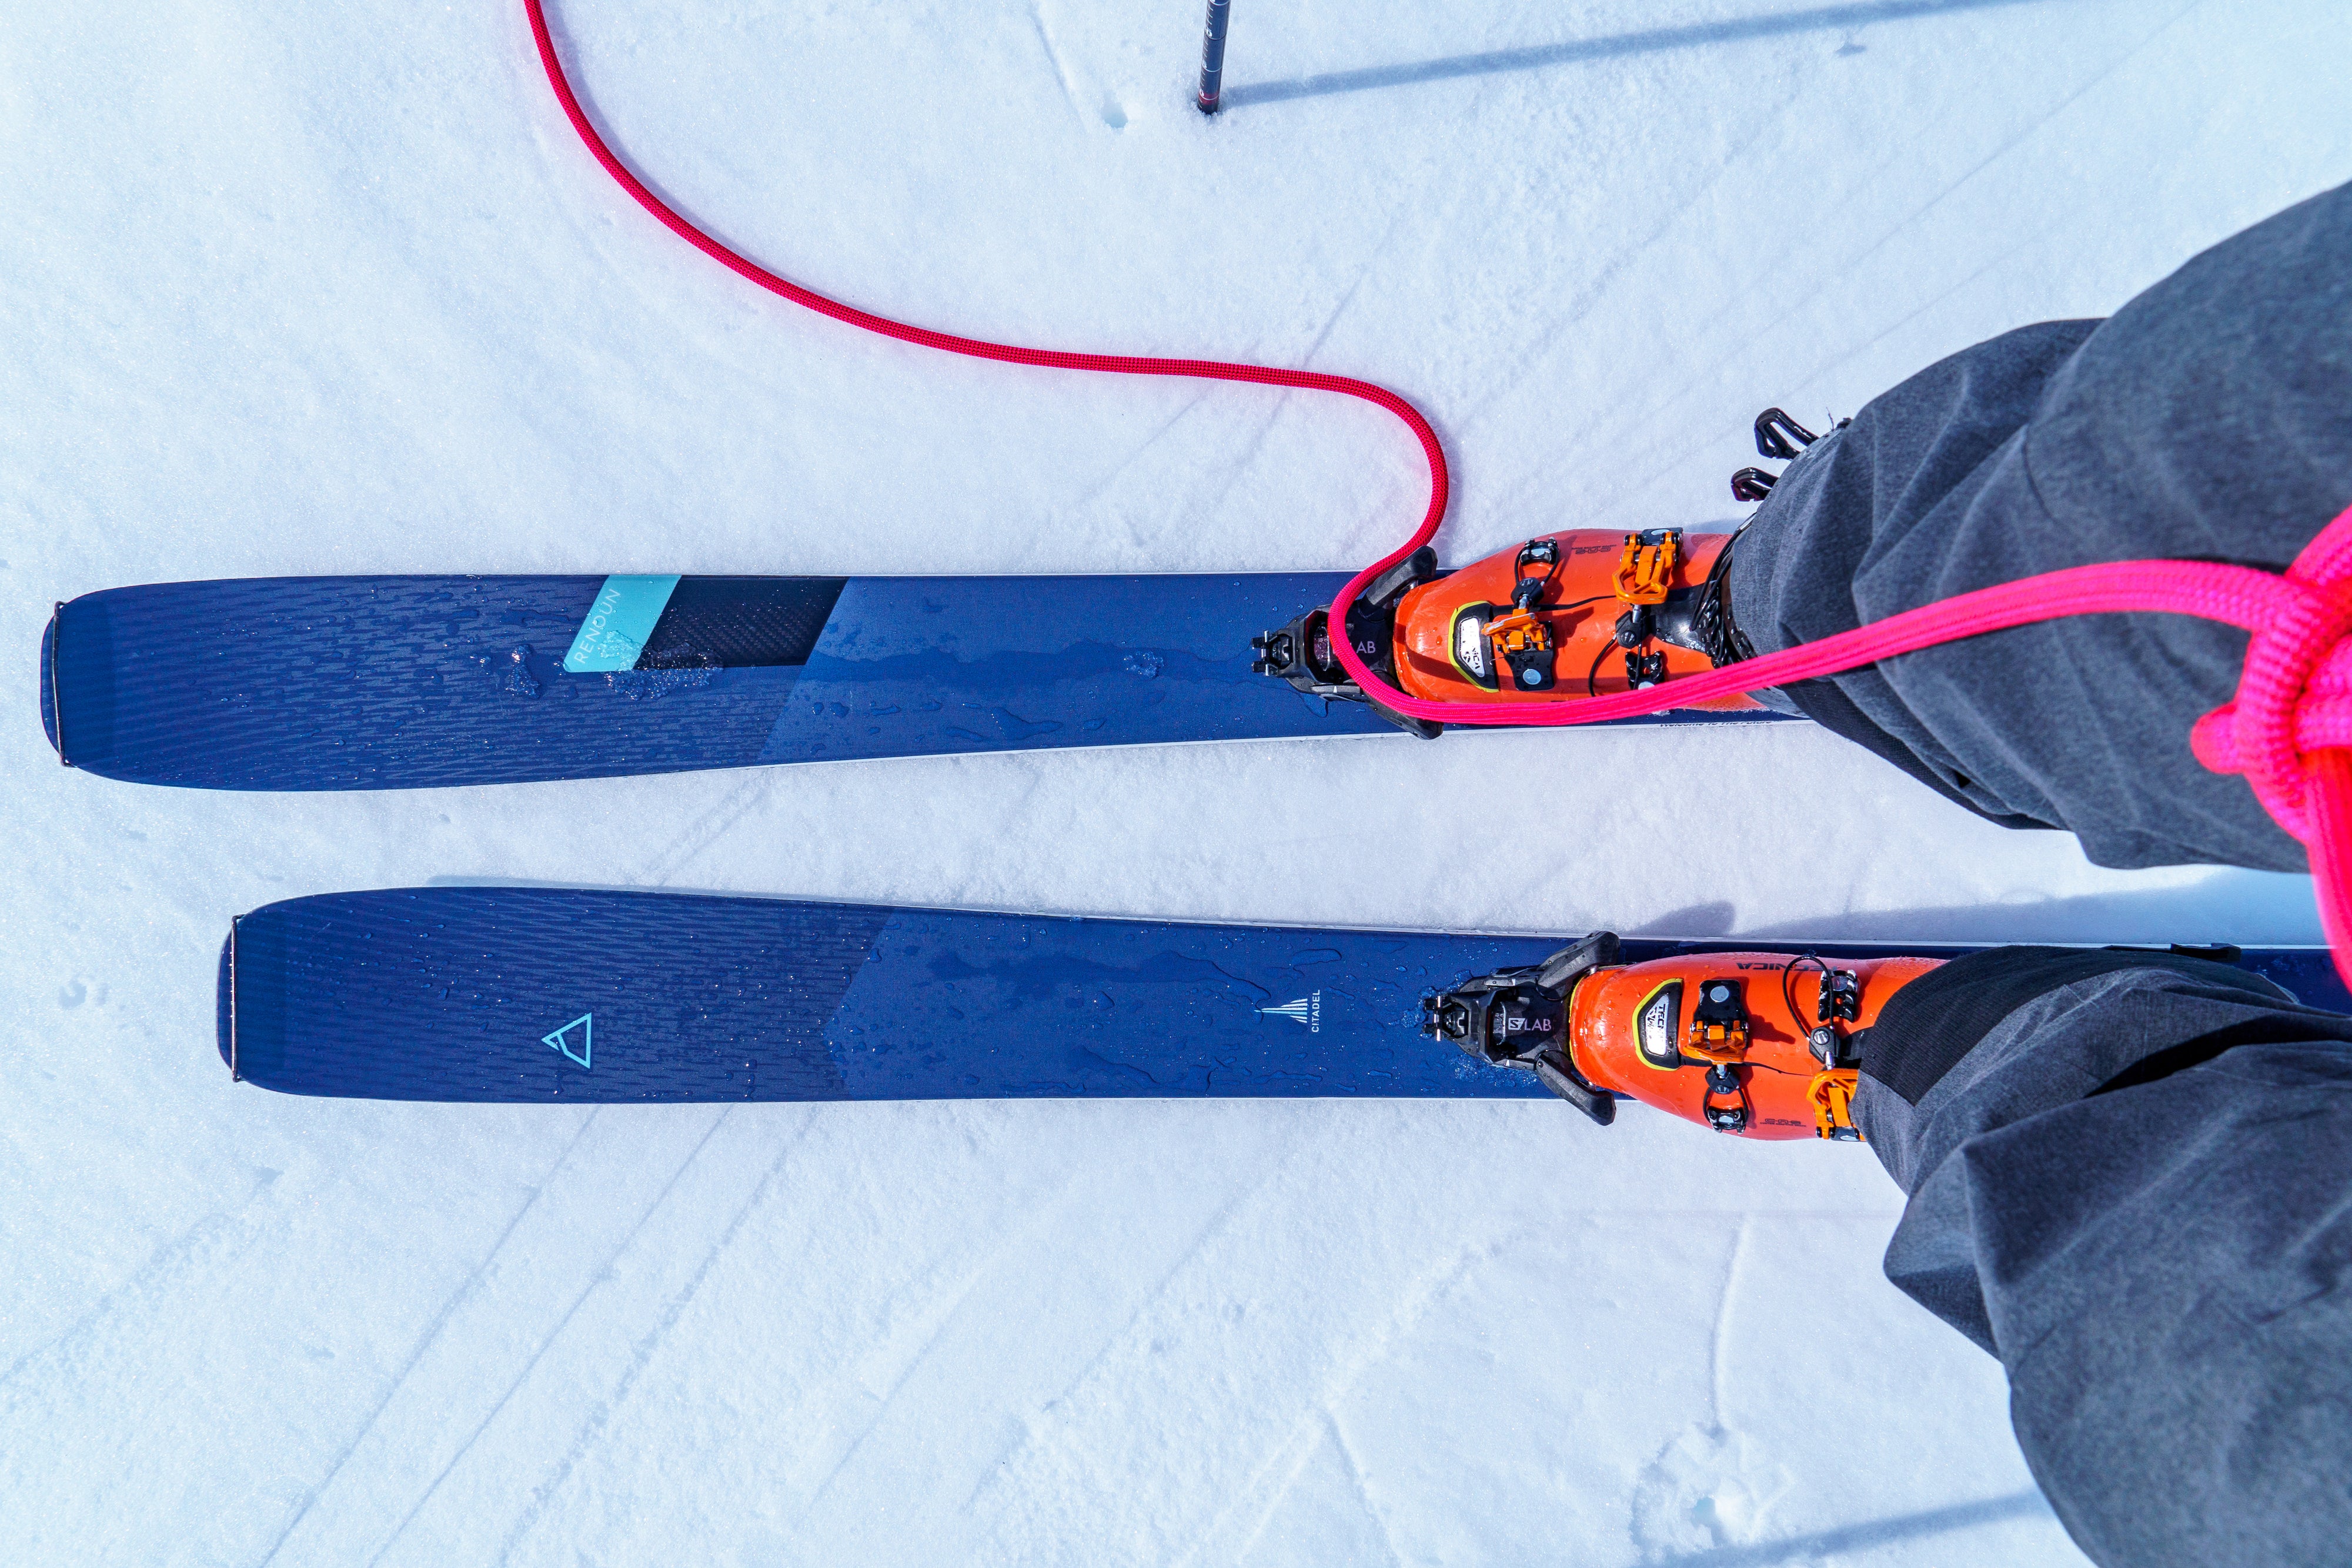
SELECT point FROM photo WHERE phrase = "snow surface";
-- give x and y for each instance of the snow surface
(332, 289)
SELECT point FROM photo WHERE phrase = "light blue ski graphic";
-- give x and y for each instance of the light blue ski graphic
(586, 1024)
(618, 623)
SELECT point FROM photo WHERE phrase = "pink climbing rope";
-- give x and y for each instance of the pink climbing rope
(974, 348)
(2289, 731)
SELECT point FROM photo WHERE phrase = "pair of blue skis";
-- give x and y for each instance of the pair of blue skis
(527, 993)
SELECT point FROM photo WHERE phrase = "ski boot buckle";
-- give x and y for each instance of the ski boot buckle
(1833, 1097)
(1647, 570)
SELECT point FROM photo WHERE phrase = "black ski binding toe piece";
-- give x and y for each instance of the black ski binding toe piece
(1517, 1017)
(1301, 653)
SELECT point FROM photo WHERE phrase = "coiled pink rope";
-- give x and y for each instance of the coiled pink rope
(2289, 731)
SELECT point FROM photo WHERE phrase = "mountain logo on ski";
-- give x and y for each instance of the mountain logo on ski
(586, 1024)
(1307, 1010)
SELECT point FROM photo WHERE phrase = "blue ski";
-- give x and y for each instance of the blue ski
(379, 683)
(537, 994)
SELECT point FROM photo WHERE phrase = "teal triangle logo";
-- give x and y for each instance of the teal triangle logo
(586, 1024)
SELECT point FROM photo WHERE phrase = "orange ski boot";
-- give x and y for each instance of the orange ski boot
(1758, 1045)
(1573, 614)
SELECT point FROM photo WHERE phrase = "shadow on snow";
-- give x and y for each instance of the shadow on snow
(1821, 18)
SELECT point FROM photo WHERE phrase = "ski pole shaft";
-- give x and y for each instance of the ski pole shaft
(1213, 56)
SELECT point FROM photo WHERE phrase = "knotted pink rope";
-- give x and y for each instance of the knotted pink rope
(2289, 731)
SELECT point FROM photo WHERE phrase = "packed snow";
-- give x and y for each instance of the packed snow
(301, 289)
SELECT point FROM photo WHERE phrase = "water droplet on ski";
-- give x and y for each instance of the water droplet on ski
(516, 679)
(650, 686)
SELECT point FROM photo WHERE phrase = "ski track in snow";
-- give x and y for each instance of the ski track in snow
(348, 298)
(642, 1353)
(426, 1341)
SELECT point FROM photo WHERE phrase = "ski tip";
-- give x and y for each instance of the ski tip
(224, 1004)
(49, 683)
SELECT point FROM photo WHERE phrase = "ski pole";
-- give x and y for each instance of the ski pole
(1213, 56)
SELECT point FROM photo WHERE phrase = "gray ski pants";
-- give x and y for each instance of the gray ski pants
(2130, 1175)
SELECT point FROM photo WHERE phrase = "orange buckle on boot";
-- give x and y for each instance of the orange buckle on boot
(1718, 1026)
(1717, 1043)
(1519, 632)
(1833, 1097)
(1647, 568)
